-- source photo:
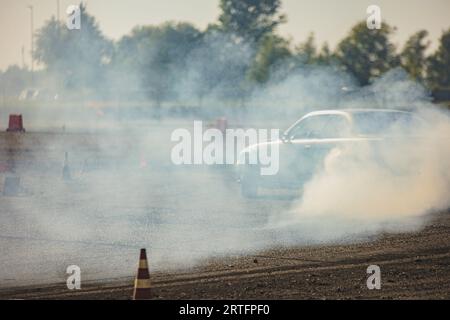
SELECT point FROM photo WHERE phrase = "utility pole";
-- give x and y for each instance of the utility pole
(57, 19)
(23, 57)
(32, 43)
(57, 10)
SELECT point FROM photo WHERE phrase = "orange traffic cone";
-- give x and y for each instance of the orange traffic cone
(142, 282)
(15, 123)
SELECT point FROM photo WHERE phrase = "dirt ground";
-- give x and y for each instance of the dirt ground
(413, 266)
(216, 243)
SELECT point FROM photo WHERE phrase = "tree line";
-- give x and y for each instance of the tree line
(241, 51)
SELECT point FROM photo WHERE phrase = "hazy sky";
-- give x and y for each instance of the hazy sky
(329, 19)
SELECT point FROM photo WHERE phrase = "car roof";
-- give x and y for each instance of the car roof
(351, 111)
(346, 112)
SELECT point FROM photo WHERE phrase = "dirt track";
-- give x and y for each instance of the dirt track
(413, 265)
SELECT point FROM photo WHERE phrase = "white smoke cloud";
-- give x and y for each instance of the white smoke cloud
(391, 185)
(186, 215)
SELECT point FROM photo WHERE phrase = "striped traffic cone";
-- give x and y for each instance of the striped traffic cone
(142, 282)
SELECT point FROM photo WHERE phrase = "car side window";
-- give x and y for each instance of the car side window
(307, 128)
(321, 127)
(337, 126)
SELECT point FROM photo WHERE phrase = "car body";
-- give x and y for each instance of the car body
(305, 145)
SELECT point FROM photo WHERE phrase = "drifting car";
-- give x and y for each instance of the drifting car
(305, 145)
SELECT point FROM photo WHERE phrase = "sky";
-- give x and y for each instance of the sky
(330, 20)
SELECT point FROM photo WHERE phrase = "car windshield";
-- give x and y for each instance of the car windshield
(326, 126)
(378, 122)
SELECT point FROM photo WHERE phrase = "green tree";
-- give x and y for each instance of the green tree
(218, 66)
(438, 65)
(272, 52)
(325, 55)
(412, 57)
(76, 56)
(306, 52)
(13, 80)
(367, 54)
(250, 19)
(157, 54)
(50, 45)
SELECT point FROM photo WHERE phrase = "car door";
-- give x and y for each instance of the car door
(310, 141)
